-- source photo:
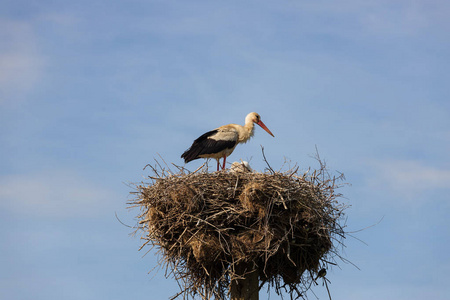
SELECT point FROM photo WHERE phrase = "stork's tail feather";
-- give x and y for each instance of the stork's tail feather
(189, 155)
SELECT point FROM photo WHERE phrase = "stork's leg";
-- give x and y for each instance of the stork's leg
(218, 165)
(224, 160)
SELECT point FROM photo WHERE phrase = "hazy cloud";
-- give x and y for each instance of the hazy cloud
(20, 62)
(409, 177)
(61, 194)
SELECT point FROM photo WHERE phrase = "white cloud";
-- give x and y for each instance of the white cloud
(20, 62)
(409, 177)
(407, 18)
(383, 18)
(59, 194)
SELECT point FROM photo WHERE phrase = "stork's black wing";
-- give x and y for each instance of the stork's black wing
(207, 145)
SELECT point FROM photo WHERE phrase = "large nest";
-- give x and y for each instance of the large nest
(283, 224)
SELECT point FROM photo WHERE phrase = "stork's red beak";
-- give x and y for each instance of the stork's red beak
(260, 123)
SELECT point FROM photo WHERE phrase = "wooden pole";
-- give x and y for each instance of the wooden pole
(247, 288)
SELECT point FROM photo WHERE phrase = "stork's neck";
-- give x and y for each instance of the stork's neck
(247, 133)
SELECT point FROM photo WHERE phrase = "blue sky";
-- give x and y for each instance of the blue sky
(92, 91)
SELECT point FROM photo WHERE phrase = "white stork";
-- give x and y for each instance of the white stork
(220, 142)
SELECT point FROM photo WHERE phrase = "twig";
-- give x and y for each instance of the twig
(122, 222)
(264, 156)
(367, 226)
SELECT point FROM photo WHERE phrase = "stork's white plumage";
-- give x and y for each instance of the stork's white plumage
(220, 142)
